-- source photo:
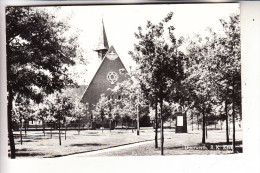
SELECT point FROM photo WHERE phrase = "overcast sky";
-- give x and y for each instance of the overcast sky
(121, 22)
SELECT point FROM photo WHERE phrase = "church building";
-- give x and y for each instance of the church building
(108, 74)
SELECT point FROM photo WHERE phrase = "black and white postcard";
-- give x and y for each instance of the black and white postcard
(105, 81)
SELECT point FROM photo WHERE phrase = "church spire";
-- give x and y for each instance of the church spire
(102, 45)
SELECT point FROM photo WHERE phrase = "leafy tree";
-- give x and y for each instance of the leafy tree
(102, 109)
(168, 112)
(49, 117)
(201, 78)
(229, 66)
(38, 54)
(59, 107)
(133, 102)
(44, 112)
(79, 112)
(214, 73)
(62, 107)
(23, 111)
(128, 111)
(160, 64)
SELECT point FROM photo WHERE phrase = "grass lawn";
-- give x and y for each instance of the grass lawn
(35, 144)
(181, 144)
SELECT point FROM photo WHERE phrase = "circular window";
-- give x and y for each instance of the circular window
(112, 77)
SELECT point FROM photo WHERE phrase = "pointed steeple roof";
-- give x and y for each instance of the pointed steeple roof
(102, 42)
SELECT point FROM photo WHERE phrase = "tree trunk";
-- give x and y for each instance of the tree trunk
(65, 132)
(102, 128)
(43, 128)
(233, 118)
(21, 134)
(25, 128)
(162, 137)
(229, 124)
(156, 124)
(240, 113)
(138, 120)
(110, 124)
(51, 129)
(206, 130)
(198, 121)
(79, 128)
(227, 132)
(59, 133)
(203, 127)
(10, 124)
(192, 123)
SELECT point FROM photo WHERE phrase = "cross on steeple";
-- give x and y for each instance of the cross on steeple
(102, 45)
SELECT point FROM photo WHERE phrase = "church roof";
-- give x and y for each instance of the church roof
(75, 93)
(99, 83)
(102, 42)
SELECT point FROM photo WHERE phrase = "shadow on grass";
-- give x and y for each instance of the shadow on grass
(223, 143)
(24, 140)
(40, 138)
(25, 153)
(173, 148)
(121, 132)
(31, 139)
(87, 144)
(192, 133)
(93, 133)
(35, 136)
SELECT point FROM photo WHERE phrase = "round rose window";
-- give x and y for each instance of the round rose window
(112, 77)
